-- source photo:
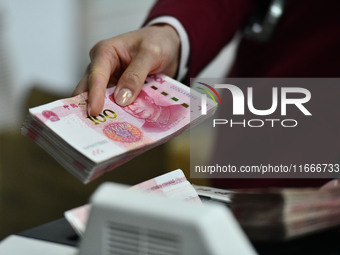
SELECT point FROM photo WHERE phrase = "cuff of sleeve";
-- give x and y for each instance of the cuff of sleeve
(185, 46)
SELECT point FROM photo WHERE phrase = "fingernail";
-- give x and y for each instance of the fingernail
(123, 97)
(88, 109)
(331, 184)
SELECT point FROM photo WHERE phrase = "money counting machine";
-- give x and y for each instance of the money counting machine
(129, 222)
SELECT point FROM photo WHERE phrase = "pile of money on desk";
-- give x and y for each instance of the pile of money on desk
(271, 214)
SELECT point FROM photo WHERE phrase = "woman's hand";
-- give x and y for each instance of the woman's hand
(125, 61)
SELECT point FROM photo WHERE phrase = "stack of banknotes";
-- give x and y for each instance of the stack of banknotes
(172, 184)
(280, 214)
(89, 146)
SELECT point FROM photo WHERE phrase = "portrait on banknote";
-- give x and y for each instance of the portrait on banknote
(157, 117)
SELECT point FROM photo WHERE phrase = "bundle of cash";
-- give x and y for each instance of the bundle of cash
(172, 184)
(89, 146)
(280, 214)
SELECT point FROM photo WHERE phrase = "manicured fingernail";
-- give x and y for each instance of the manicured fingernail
(88, 109)
(335, 183)
(123, 97)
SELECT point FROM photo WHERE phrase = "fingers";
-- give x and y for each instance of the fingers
(104, 61)
(131, 56)
(133, 78)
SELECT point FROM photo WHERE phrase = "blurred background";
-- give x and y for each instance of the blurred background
(44, 49)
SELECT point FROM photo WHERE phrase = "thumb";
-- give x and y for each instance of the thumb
(133, 78)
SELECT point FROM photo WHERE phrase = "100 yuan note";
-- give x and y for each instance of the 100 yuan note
(173, 184)
(162, 110)
(152, 116)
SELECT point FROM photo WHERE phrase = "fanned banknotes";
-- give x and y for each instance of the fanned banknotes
(90, 146)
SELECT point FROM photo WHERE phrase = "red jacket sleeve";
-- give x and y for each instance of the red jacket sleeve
(205, 23)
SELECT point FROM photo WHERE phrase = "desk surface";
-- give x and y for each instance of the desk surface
(323, 243)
